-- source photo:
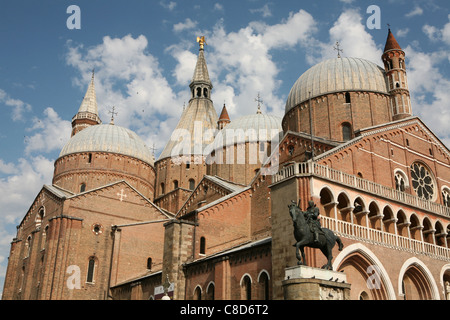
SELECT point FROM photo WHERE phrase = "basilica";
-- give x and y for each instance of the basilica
(209, 219)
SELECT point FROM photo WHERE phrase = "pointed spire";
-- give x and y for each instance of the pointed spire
(224, 114)
(224, 118)
(89, 103)
(201, 75)
(88, 112)
(391, 42)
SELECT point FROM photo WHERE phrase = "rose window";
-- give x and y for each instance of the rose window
(422, 181)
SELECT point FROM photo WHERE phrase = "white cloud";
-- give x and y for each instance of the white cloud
(50, 133)
(186, 25)
(429, 90)
(241, 64)
(8, 168)
(26, 179)
(129, 78)
(168, 5)
(353, 38)
(432, 32)
(417, 11)
(265, 11)
(402, 32)
(218, 7)
(19, 108)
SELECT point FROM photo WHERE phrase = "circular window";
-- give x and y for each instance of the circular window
(97, 228)
(422, 181)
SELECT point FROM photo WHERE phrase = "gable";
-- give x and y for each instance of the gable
(119, 201)
(210, 189)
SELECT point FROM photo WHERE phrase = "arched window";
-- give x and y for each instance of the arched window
(400, 181)
(347, 97)
(346, 131)
(91, 270)
(202, 245)
(246, 288)
(210, 291)
(83, 187)
(28, 246)
(191, 184)
(199, 92)
(198, 293)
(40, 217)
(205, 93)
(264, 285)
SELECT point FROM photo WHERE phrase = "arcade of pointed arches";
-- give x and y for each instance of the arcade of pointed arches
(372, 221)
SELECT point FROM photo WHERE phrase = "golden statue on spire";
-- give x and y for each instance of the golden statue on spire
(201, 41)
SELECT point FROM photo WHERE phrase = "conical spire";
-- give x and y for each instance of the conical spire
(391, 43)
(88, 112)
(200, 112)
(224, 118)
(201, 75)
(89, 103)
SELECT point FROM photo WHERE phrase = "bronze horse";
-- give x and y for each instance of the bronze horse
(305, 238)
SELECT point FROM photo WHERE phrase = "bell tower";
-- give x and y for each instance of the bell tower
(394, 64)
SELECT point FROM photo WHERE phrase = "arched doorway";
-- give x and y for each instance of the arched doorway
(365, 272)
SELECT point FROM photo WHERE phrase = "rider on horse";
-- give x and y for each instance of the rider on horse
(311, 215)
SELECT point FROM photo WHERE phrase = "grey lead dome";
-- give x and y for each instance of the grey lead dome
(108, 138)
(337, 75)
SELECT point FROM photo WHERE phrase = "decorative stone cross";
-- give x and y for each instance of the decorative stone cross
(121, 195)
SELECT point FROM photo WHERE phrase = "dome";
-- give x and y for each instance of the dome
(108, 138)
(337, 75)
(251, 128)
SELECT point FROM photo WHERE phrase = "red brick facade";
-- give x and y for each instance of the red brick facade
(224, 232)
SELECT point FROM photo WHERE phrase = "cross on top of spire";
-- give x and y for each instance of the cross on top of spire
(338, 49)
(258, 99)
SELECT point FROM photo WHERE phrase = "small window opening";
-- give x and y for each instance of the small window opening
(83, 187)
(202, 245)
(91, 268)
(347, 97)
(199, 92)
(90, 158)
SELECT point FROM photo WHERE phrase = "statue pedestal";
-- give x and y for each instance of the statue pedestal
(307, 283)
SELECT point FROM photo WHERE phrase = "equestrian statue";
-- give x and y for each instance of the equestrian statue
(309, 233)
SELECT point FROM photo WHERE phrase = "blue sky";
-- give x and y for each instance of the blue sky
(144, 53)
